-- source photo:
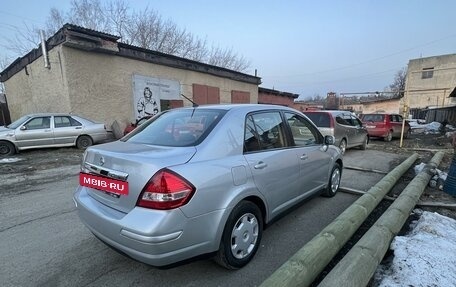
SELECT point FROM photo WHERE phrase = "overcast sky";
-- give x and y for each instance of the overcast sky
(302, 47)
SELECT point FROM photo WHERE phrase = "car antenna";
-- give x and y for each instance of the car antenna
(194, 104)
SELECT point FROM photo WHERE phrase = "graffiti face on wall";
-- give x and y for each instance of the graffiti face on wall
(147, 105)
(148, 91)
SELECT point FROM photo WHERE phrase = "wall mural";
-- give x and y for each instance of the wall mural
(148, 91)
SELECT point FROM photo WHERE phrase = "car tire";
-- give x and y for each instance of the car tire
(334, 181)
(6, 148)
(343, 146)
(364, 145)
(388, 137)
(241, 236)
(84, 142)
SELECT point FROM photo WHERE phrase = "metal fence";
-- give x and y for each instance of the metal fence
(447, 114)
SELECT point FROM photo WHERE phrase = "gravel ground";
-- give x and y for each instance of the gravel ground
(425, 146)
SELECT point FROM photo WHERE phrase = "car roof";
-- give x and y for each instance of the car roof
(49, 114)
(241, 107)
(334, 112)
(381, 114)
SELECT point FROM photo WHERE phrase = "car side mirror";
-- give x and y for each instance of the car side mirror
(23, 128)
(330, 140)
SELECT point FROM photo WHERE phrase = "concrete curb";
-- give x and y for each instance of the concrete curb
(360, 263)
(304, 266)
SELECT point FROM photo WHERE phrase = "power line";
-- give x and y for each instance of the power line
(368, 61)
(343, 79)
(22, 17)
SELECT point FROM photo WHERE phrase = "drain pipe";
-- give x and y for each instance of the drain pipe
(44, 50)
(360, 263)
(306, 264)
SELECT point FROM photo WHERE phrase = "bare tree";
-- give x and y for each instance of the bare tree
(89, 14)
(23, 41)
(55, 21)
(118, 18)
(398, 85)
(145, 29)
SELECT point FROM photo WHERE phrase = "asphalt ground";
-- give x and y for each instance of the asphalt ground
(43, 242)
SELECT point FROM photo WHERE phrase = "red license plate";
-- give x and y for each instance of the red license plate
(103, 183)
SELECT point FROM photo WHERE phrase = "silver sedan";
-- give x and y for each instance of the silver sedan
(50, 130)
(201, 180)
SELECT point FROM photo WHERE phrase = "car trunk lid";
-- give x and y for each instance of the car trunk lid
(374, 120)
(130, 164)
(323, 121)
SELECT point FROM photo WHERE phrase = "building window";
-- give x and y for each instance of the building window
(427, 73)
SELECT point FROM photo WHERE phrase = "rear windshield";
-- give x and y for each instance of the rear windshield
(177, 128)
(321, 120)
(373, 118)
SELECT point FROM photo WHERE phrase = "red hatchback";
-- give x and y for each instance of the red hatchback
(386, 126)
(138, 122)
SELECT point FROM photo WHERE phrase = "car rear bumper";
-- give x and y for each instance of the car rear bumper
(99, 137)
(373, 132)
(155, 237)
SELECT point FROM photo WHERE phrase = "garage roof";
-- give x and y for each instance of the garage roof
(95, 41)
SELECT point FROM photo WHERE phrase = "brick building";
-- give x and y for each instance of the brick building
(268, 96)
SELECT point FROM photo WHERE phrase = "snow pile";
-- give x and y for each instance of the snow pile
(10, 160)
(416, 124)
(432, 128)
(425, 257)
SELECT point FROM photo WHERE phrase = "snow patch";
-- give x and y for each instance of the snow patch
(424, 257)
(10, 160)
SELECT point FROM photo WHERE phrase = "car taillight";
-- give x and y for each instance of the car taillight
(166, 190)
(331, 122)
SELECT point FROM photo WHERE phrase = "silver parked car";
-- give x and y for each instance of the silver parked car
(343, 125)
(193, 181)
(50, 130)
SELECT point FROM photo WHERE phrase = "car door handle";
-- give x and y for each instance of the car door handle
(48, 130)
(78, 128)
(304, 157)
(260, 165)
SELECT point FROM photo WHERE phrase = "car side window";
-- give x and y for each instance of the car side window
(341, 119)
(61, 122)
(356, 122)
(39, 123)
(263, 131)
(74, 123)
(303, 133)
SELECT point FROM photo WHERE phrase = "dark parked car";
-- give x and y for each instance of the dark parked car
(202, 180)
(50, 130)
(343, 125)
(386, 126)
(138, 122)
